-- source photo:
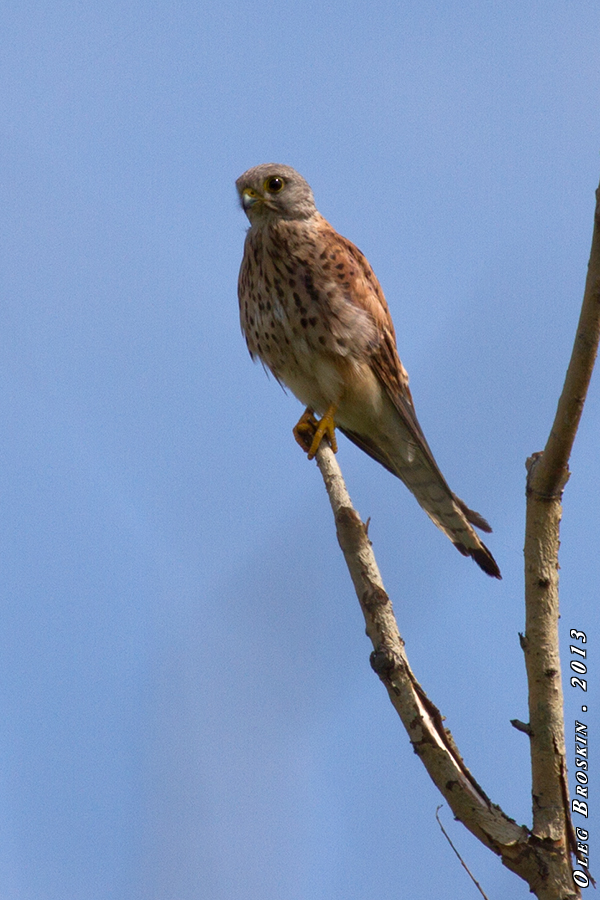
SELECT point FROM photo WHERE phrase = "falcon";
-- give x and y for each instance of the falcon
(313, 311)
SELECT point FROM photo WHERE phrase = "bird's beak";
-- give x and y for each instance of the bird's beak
(249, 198)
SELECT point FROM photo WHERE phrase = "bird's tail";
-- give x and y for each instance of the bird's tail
(479, 553)
(452, 516)
(423, 478)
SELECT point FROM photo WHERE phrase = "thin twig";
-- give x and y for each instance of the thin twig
(462, 862)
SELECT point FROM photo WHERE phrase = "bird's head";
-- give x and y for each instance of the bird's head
(271, 191)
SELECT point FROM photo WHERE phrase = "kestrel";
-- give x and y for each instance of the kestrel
(314, 313)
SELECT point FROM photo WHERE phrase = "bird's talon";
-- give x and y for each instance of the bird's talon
(326, 428)
(310, 431)
(305, 430)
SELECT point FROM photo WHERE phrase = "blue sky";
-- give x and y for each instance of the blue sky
(187, 705)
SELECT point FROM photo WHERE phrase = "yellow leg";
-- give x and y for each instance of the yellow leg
(309, 432)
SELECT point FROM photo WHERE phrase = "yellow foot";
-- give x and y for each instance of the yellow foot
(309, 432)
(304, 431)
(326, 428)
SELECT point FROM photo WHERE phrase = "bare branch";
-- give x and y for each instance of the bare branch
(525, 727)
(431, 741)
(547, 476)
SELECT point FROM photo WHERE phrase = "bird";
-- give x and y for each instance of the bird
(313, 312)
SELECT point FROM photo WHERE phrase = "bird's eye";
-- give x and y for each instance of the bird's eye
(274, 185)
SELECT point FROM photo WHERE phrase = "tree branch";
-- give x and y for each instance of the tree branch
(547, 475)
(519, 850)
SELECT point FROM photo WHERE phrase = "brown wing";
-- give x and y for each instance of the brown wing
(362, 289)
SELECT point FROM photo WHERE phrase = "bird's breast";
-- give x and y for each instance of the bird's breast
(297, 318)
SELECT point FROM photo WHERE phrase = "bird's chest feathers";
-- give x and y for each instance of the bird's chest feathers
(283, 316)
(296, 317)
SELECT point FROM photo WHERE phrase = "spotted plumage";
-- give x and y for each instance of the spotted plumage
(313, 311)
